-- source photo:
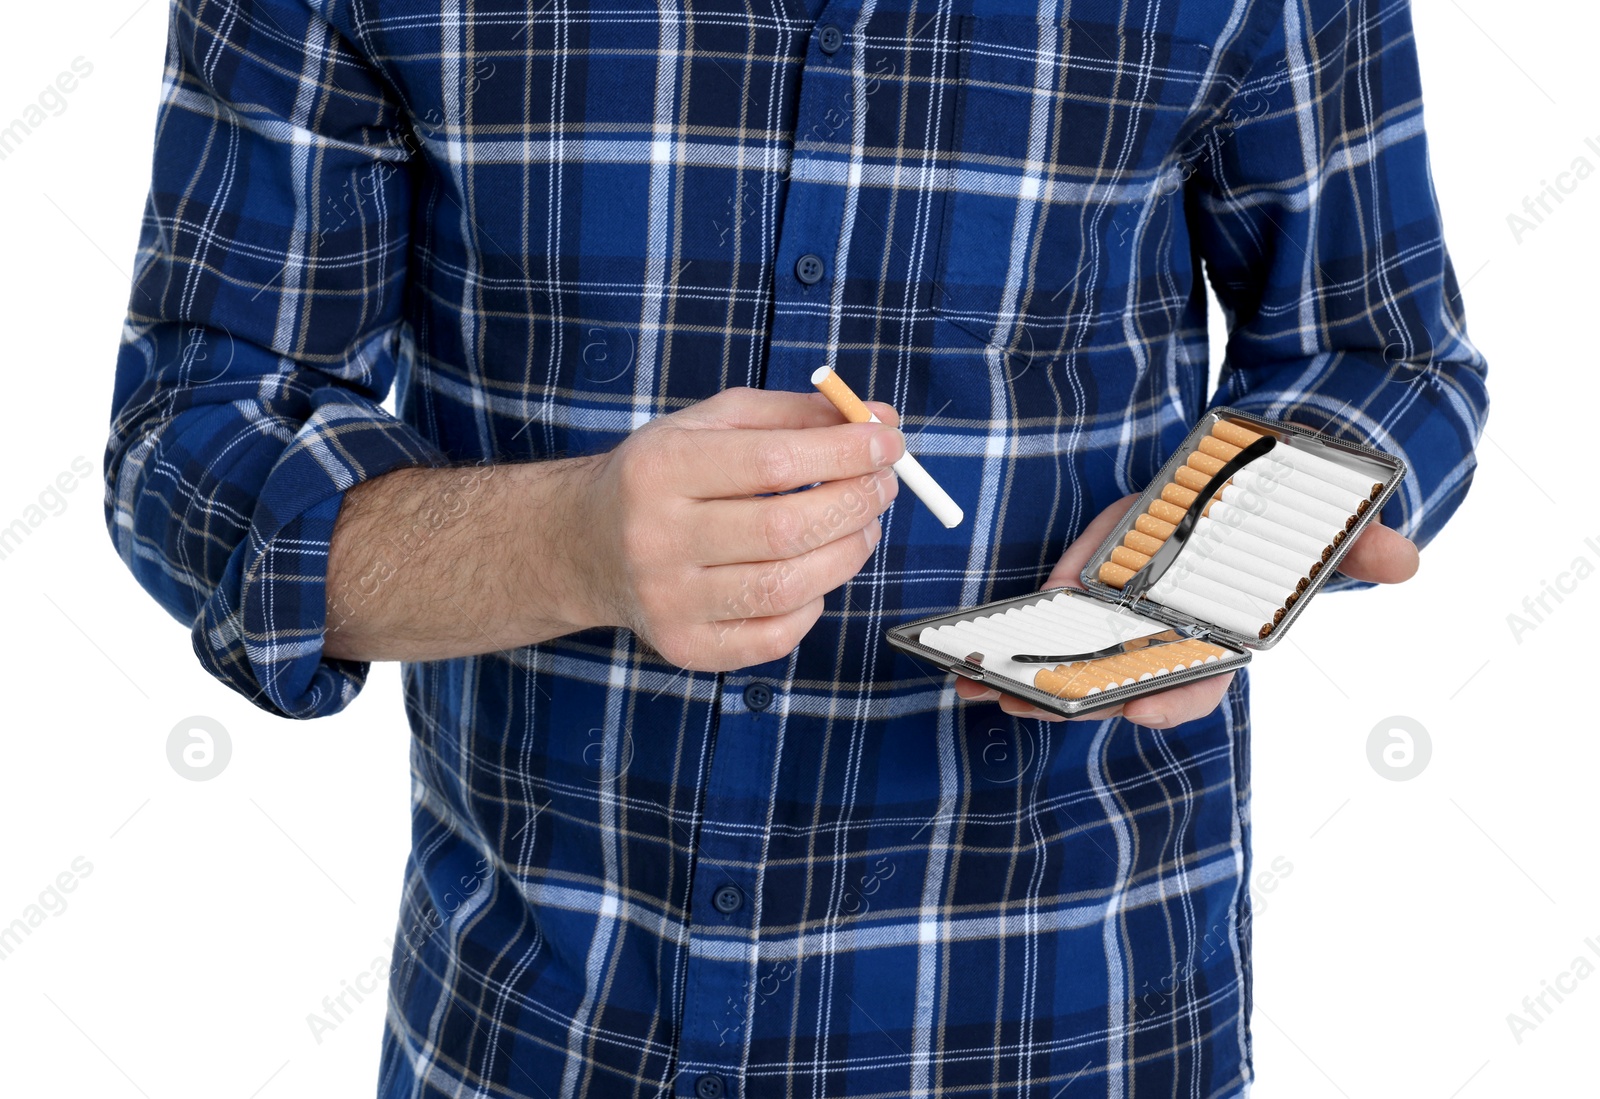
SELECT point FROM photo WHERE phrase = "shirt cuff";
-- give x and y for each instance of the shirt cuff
(1414, 425)
(261, 632)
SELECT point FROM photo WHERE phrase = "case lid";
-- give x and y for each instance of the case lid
(1385, 470)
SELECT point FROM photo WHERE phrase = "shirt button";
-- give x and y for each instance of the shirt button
(809, 268)
(710, 1086)
(829, 39)
(758, 695)
(728, 899)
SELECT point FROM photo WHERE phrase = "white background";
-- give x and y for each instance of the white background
(1413, 918)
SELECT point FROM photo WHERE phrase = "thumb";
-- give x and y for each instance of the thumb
(1082, 548)
(1381, 555)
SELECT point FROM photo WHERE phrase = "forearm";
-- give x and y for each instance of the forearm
(431, 564)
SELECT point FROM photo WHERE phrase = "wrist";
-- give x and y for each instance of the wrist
(553, 508)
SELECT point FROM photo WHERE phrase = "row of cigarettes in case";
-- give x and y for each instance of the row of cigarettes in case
(1261, 540)
(1076, 623)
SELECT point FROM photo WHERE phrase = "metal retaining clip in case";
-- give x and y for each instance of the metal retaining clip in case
(1162, 559)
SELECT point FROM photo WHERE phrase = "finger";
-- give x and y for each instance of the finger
(740, 642)
(776, 528)
(1098, 715)
(1016, 707)
(1082, 548)
(1186, 704)
(738, 462)
(970, 690)
(742, 406)
(1382, 556)
(1177, 705)
(778, 587)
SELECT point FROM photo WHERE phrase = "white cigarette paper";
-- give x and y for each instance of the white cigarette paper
(1279, 496)
(1326, 468)
(1257, 528)
(1310, 484)
(908, 469)
(1061, 624)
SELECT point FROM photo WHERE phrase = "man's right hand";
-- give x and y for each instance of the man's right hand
(685, 546)
(668, 534)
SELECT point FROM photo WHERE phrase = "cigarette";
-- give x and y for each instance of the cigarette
(1238, 496)
(1240, 620)
(1236, 434)
(908, 469)
(1142, 543)
(1244, 552)
(1258, 526)
(1020, 628)
(1151, 660)
(1074, 680)
(1214, 567)
(1287, 454)
(1269, 488)
(1312, 485)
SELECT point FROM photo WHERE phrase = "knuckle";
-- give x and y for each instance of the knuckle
(776, 466)
(778, 638)
(766, 643)
(860, 496)
(854, 453)
(777, 587)
(784, 528)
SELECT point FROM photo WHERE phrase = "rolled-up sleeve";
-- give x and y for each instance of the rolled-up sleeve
(1317, 218)
(264, 330)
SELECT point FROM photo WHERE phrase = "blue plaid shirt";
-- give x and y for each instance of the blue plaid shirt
(542, 226)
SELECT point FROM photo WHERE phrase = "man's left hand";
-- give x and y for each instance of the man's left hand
(1379, 555)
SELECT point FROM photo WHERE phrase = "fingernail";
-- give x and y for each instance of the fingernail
(874, 535)
(1152, 721)
(880, 448)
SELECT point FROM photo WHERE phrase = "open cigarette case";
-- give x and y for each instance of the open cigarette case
(1217, 558)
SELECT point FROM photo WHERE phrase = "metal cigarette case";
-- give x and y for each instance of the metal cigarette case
(1136, 601)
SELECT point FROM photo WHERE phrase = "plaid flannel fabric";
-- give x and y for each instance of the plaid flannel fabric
(543, 225)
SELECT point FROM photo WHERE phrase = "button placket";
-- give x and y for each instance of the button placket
(724, 916)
